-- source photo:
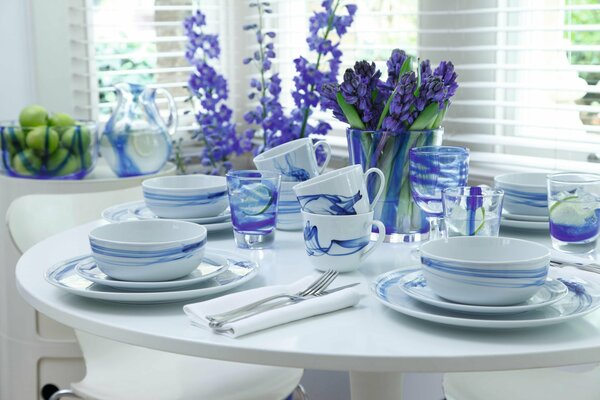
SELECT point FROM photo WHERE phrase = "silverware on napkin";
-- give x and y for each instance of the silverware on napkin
(216, 324)
(591, 267)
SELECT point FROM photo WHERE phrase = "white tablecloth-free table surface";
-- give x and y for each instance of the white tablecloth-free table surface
(371, 341)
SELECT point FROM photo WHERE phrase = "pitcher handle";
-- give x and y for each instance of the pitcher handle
(327, 152)
(380, 238)
(173, 118)
(381, 184)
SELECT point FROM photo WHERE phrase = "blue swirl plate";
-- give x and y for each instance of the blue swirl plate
(212, 265)
(415, 286)
(582, 298)
(239, 271)
(137, 210)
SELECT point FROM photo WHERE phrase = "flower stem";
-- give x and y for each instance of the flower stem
(263, 89)
(312, 86)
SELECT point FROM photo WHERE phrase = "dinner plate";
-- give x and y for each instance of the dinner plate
(240, 270)
(139, 210)
(415, 286)
(212, 264)
(582, 299)
(527, 225)
(523, 217)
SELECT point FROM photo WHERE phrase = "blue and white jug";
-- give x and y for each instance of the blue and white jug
(136, 140)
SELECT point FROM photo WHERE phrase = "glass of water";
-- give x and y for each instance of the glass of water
(433, 169)
(574, 208)
(472, 210)
(253, 197)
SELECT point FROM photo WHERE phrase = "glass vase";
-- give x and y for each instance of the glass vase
(403, 219)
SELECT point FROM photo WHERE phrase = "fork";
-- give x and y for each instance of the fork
(318, 285)
(584, 267)
(279, 304)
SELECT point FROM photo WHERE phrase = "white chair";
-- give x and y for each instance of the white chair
(116, 371)
(574, 383)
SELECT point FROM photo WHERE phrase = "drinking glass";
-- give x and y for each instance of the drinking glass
(472, 211)
(574, 208)
(433, 169)
(253, 197)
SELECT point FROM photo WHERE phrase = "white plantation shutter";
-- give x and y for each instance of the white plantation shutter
(523, 102)
(528, 70)
(143, 41)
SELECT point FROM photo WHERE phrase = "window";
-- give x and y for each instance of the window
(528, 69)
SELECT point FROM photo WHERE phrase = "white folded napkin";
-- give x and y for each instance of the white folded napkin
(197, 312)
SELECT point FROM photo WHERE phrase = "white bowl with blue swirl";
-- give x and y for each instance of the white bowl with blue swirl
(186, 196)
(485, 271)
(148, 251)
(524, 193)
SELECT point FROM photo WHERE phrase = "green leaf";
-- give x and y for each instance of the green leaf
(426, 118)
(406, 66)
(386, 109)
(438, 121)
(350, 113)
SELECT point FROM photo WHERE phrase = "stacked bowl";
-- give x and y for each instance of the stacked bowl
(186, 196)
(148, 251)
(295, 161)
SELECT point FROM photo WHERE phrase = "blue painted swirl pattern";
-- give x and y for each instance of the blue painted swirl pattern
(330, 204)
(335, 248)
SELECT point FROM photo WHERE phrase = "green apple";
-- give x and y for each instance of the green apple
(14, 139)
(69, 166)
(61, 119)
(43, 139)
(33, 115)
(26, 163)
(84, 160)
(57, 160)
(77, 139)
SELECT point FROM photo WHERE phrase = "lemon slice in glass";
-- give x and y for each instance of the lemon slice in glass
(255, 199)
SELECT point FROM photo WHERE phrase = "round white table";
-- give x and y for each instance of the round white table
(374, 343)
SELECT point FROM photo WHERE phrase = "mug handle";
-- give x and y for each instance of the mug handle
(380, 238)
(381, 184)
(327, 152)
(173, 118)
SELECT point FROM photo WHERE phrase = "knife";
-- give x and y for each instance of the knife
(279, 304)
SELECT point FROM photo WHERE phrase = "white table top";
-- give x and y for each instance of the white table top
(369, 337)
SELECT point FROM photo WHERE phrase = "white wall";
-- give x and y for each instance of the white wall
(17, 87)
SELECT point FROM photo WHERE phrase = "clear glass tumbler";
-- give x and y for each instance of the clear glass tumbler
(253, 198)
(472, 211)
(574, 208)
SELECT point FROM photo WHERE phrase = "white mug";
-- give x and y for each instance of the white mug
(295, 161)
(339, 242)
(339, 192)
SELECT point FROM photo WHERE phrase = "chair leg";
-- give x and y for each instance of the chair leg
(299, 393)
(63, 393)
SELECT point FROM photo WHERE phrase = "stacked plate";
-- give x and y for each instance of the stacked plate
(495, 283)
(560, 300)
(138, 210)
(525, 200)
(219, 271)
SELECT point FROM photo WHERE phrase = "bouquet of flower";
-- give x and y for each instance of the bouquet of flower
(406, 100)
(387, 119)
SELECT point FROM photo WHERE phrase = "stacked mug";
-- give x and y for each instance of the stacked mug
(295, 161)
(338, 217)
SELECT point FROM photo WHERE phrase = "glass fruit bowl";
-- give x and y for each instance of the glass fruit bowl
(49, 152)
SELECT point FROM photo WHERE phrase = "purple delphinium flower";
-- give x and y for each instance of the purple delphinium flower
(268, 114)
(402, 106)
(216, 130)
(310, 76)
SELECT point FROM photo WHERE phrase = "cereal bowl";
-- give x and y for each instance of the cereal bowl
(186, 196)
(524, 193)
(491, 271)
(153, 250)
